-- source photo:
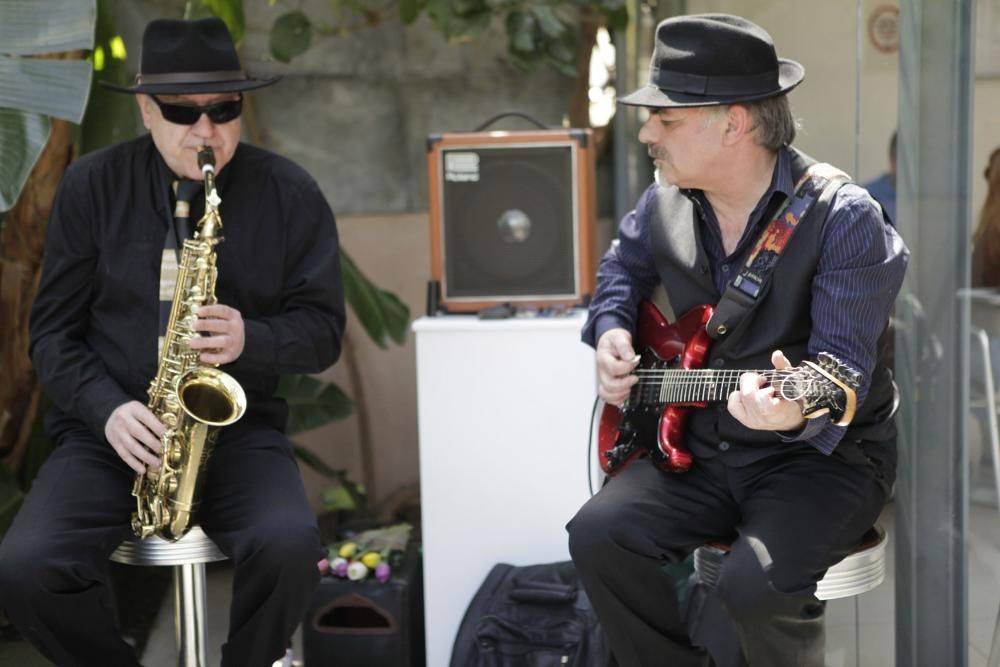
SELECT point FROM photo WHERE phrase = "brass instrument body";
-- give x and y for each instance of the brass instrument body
(191, 398)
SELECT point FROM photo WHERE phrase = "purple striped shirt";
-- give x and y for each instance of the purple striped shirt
(853, 290)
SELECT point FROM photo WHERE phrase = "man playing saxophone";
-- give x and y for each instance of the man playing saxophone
(111, 259)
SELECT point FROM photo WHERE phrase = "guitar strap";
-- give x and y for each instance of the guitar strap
(813, 194)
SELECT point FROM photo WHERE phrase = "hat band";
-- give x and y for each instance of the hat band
(191, 77)
(697, 84)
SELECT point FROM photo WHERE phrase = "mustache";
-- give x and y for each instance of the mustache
(656, 152)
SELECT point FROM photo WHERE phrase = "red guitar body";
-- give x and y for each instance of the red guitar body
(681, 345)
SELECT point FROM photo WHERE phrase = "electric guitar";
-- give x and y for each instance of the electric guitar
(672, 381)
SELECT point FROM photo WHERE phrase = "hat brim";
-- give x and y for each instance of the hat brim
(790, 74)
(191, 88)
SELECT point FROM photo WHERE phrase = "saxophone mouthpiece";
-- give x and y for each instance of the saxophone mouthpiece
(206, 159)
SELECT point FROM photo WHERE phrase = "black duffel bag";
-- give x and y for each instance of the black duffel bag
(530, 616)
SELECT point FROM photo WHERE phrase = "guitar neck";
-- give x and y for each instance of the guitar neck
(662, 387)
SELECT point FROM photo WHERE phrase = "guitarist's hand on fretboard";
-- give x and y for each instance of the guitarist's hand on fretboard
(616, 360)
(759, 407)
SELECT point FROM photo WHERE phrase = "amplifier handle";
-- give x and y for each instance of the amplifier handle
(519, 114)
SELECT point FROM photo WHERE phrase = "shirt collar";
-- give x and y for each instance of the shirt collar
(781, 187)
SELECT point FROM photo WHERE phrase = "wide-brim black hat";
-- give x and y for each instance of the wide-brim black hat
(189, 57)
(712, 59)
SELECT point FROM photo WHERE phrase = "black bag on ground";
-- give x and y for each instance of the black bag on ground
(530, 616)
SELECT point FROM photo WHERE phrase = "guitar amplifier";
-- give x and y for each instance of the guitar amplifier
(513, 218)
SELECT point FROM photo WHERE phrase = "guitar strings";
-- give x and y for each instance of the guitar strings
(681, 381)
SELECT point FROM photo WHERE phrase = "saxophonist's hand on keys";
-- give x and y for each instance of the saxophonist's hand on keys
(134, 433)
(226, 335)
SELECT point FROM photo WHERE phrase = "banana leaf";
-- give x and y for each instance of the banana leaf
(312, 403)
(32, 89)
(382, 314)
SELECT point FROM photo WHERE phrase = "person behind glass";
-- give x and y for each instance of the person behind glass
(793, 496)
(94, 332)
(986, 238)
(883, 188)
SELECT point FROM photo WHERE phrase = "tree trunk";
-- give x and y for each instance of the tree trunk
(21, 244)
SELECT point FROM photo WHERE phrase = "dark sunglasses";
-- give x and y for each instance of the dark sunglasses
(183, 114)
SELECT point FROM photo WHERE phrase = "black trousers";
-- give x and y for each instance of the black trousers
(54, 559)
(793, 516)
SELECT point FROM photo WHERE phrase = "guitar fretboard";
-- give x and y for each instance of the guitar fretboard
(661, 387)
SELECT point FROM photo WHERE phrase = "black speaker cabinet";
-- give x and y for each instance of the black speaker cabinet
(367, 623)
(513, 218)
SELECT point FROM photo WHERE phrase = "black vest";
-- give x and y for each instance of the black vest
(780, 319)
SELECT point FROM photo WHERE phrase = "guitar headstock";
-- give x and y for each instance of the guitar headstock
(826, 386)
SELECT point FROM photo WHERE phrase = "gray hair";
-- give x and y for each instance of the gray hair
(774, 125)
(771, 120)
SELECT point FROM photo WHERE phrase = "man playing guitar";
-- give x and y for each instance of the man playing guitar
(794, 495)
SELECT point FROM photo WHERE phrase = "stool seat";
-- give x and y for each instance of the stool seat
(194, 547)
(187, 556)
(861, 570)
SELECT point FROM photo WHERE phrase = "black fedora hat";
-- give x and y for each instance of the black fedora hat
(712, 59)
(189, 57)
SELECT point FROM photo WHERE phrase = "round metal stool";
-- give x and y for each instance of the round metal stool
(862, 570)
(188, 556)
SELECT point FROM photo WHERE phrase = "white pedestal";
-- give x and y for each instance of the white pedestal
(504, 418)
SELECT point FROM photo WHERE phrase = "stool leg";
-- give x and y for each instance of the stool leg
(189, 614)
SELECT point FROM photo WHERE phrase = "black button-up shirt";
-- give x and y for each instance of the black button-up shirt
(94, 323)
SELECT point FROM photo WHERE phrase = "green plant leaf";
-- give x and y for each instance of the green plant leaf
(31, 27)
(561, 53)
(291, 35)
(380, 312)
(111, 117)
(52, 87)
(311, 402)
(547, 21)
(231, 13)
(617, 19)
(22, 137)
(314, 462)
(521, 33)
(338, 498)
(409, 10)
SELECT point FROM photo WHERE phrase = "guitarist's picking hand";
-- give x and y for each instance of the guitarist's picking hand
(615, 362)
(756, 406)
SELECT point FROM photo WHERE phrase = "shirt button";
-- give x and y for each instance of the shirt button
(719, 363)
(725, 268)
(723, 446)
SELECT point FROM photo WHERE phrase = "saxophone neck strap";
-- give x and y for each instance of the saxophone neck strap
(818, 184)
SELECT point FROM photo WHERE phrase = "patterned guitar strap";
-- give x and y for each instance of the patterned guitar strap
(813, 194)
(179, 230)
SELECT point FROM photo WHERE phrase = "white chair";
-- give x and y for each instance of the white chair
(988, 400)
(187, 556)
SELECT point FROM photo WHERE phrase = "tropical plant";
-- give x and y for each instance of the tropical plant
(45, 85)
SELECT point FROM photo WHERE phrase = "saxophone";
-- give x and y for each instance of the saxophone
(191, 398)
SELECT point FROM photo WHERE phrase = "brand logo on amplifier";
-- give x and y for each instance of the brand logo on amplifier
(461, 167)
